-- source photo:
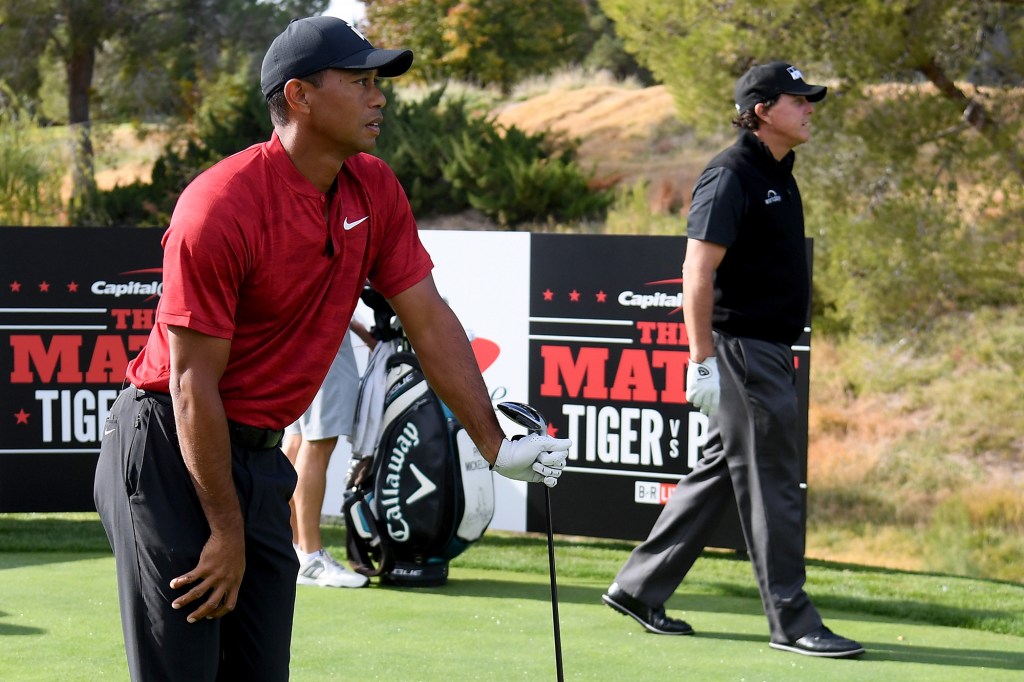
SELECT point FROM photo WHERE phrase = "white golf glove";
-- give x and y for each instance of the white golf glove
(533, 458)
(703, 387)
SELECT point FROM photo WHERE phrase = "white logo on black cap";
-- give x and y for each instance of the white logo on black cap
(359, 33)
(793, 71)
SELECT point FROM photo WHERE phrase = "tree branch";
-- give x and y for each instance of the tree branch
(974, 113)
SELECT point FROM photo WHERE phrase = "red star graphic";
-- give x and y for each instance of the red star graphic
(21, 416)
(44, 286)
(574, 296)
(601, 297)
(548, 295)
(73, 287)
(15, 287)
(552, 431)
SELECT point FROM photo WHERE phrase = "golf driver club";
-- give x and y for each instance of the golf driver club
(531, 419)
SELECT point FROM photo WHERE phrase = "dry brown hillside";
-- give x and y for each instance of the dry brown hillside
(625, 134)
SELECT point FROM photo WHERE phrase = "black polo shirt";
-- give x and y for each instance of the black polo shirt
(749, 202)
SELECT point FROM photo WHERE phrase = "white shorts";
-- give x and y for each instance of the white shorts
(333, 408)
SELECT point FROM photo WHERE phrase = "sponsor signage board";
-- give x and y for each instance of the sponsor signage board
(608, 353)
(75, 305)
(586, 328)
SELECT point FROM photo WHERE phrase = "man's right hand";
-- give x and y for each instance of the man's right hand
(216, 579)
(533, 458)
(703, 386)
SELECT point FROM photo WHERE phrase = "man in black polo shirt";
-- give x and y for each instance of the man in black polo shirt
(746, 292)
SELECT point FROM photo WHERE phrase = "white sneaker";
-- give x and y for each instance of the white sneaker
(322, 570)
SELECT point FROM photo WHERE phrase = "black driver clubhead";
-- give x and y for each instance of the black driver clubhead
(525, 416)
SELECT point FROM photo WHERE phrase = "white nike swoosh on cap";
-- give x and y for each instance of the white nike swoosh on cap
(348, 226)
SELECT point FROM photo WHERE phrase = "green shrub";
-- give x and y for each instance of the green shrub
(416, 144)
(447, 156)
(514, 177)
(31, 169)
(910, 220)
(150, 204)
(137, 204)
(232, 118)
(450, 158)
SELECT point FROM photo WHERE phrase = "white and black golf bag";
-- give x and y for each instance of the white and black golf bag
(426, 493)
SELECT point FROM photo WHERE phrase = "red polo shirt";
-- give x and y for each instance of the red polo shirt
(245, 259)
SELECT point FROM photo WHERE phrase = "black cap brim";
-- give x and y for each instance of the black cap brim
(813, 93)
(387, 63)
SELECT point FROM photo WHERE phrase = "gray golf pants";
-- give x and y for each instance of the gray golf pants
(752, 458)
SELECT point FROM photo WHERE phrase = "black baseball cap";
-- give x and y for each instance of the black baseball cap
(316, 43)
(767, 81)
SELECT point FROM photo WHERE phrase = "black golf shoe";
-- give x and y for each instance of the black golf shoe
(654, 620)
(821, 642)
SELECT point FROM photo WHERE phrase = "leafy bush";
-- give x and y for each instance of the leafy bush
(137, 204)
(514, 177)
(489, 42)
(416, 144)
(903, 264)
(233, 115)
(447, 156)
(30, 169)
(232, 118)
(450, 158)
(909, 223)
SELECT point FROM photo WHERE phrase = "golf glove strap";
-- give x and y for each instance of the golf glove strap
(533, 458)
(703, 386)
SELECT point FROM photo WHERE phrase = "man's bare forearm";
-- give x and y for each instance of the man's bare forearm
(206, 449)
(450, 366)
(197, 363)
(448, 363)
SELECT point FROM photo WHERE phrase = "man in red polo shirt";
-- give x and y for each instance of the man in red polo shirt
(264, 260)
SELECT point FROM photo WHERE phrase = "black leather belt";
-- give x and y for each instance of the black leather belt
(253, 437)
(162, 398)
(247, 436)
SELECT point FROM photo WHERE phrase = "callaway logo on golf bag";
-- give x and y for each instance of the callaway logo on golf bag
(425, 495)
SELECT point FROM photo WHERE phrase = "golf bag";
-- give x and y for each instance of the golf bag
(426, 494)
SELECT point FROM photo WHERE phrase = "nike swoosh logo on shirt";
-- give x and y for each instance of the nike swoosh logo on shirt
(348, 226)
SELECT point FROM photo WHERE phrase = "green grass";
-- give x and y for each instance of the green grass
(492, 621)
(922, 438)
